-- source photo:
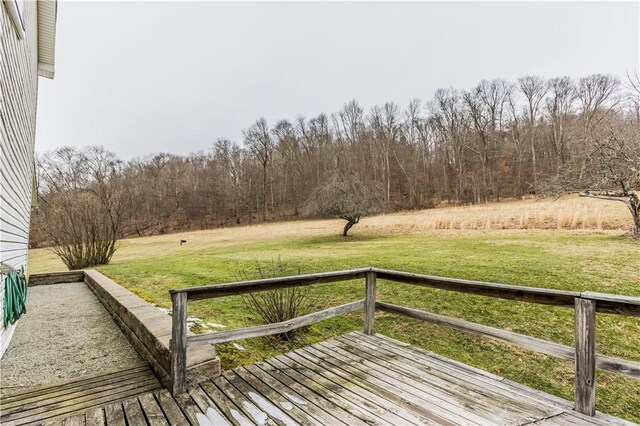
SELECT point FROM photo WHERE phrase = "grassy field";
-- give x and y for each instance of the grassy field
(438, 242)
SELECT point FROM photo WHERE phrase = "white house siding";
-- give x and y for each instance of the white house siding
(18, 96)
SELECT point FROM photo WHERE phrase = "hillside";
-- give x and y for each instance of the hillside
(597, 258)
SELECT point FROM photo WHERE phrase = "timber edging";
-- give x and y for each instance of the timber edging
(55, 278)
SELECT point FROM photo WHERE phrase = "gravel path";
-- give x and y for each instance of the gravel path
(65, 334)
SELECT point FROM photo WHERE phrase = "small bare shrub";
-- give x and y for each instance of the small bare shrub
(278, 305)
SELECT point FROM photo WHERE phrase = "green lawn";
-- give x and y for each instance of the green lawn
(569, 260)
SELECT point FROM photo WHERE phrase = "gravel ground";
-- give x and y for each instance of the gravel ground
(65, 334)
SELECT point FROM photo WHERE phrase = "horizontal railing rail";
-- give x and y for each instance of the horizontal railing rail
(216, 337)
(585, 305)
(603, 362)
(266, 284)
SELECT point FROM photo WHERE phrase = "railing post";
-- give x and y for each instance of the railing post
(179, 343)
(369, 302)
(585, 337)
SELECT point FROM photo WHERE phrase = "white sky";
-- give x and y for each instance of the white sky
(147, 77)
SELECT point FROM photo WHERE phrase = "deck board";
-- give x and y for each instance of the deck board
(354, 379)
(73, 398)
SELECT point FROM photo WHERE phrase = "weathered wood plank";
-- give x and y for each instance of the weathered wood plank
(171, 410)
(430, 404)
(503, 291)
(370, 302)
(603, 362)
(179, 344)
(303, 395)
(243, 287)
(325, 388)
(210, 415)
(448, 369)
(75, 394)
(152, 411)
(50, 392)
(225, 405)
(68, 407)
(77, 420)
(614, 303)
(133, 412)
(114, 415)
(585, 363)
(248, 407)
(286, 414)
(248, 384)
(95, 417)
(499, 407)
(283, 395)
(274, 328)
(189, 407)
(56, 422)
(50, 278)
(354, 388)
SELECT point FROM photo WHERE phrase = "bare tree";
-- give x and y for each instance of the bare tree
(614, 169)
(258, 139)
(492, 142)
(559, 106)
(534, 89)
(345, 198)
(84, 205)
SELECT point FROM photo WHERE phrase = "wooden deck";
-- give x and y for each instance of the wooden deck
(354, 379)
(61, 400)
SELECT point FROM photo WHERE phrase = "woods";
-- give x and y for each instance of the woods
(497, 140)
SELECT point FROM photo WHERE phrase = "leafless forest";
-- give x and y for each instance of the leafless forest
(497, 140)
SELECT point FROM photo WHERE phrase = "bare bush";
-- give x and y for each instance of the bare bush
(83, 205)
(278, 305)
(345, 198)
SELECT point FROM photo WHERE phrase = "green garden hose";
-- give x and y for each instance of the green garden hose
(15, 297)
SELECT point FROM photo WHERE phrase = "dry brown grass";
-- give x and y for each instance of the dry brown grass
(571, 212)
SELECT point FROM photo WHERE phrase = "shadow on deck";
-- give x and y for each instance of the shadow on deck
(354, 379)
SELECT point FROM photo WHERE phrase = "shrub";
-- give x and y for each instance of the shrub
(277, 305)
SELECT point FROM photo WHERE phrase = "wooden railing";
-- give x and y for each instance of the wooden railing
(585, 304)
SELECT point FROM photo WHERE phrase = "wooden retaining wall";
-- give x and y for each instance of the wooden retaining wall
(56, 278)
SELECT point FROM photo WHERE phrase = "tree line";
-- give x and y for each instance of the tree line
(497, 140)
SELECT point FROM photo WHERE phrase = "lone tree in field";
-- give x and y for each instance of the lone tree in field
(345, 198)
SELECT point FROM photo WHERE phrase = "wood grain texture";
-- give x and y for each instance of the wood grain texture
(179, 344)
(370, 302)
(50, 278)
(71, 398)
(585, 364)
(354, 379)
(274, 328)
(503, 291)
(603, 362)
(243, 287)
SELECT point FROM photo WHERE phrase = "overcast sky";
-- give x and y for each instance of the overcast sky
(141, 78)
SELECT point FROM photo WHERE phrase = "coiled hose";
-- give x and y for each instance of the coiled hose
(15, 297)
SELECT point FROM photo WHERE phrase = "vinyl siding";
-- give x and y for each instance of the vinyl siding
(18, 99)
